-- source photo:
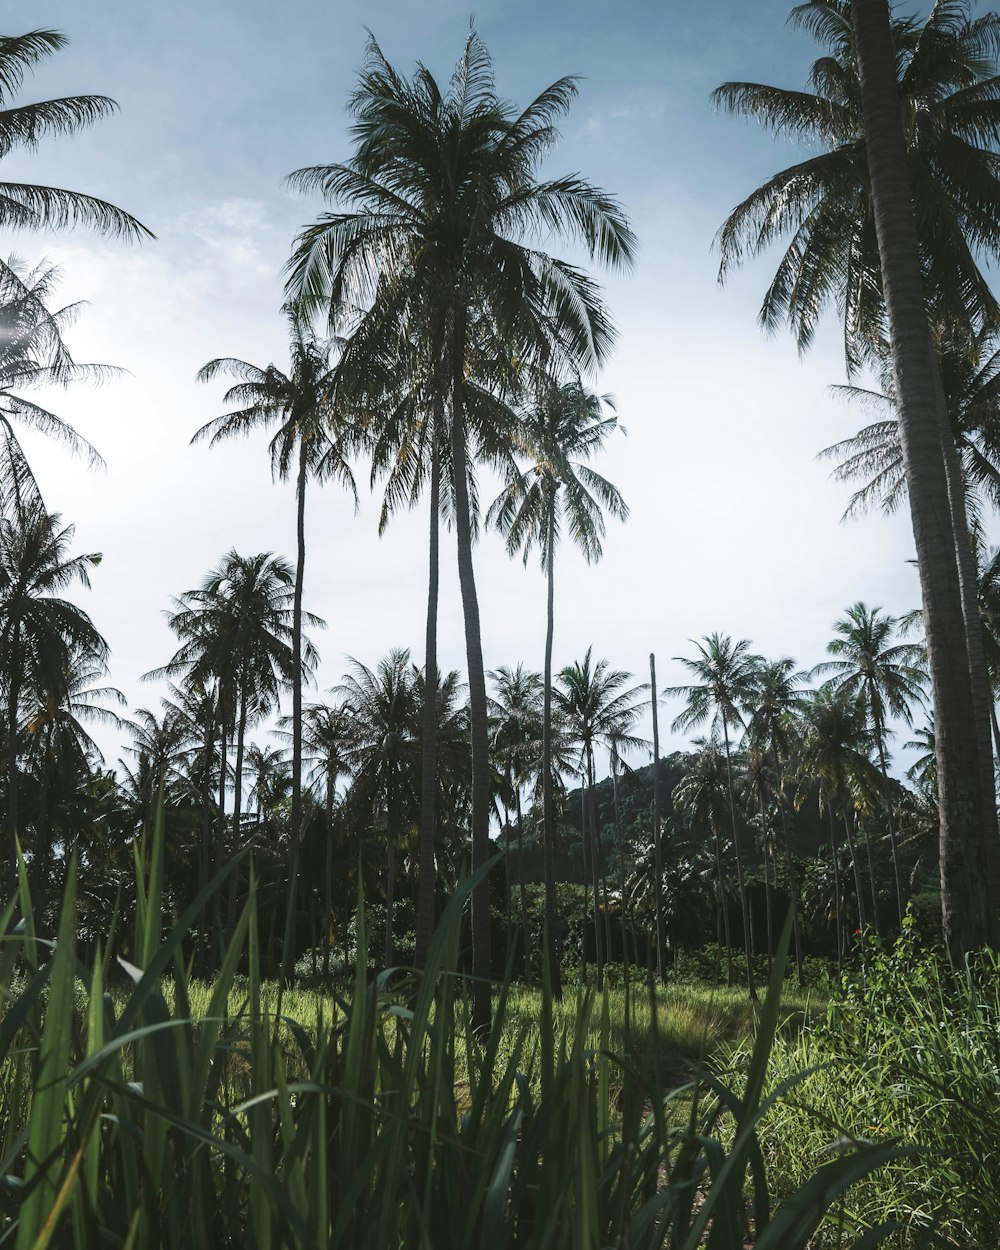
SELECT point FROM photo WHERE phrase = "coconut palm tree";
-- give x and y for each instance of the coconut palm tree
(381, 754)
(966, 920)
(701, 795)
(888, 223)
(834, 759)
(887, 678)
(31, 207)
(726, 683)
(327, 738)
(40, 632)
(563, 428)
(516, 724)
(457, 267)
(596, 708)
(312, 439)
(236, 631)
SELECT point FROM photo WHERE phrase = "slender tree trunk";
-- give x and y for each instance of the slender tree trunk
(871, 870)
(890, 818)
(328, 879)
(428, 746)
(767, 882)
(507, 915)
(287, 963)
(723, 903)
(962, 806)
(595, 866)
(586, 878)
(620, 839)
(220, 834)
(982, 689)
(13, 695)
(481, 961)
(744, 902)
(793, 889)
(838, 893)
(862, 922)
(234, 876)
(390, 885)
(525, 929)
(548, 815)
(661, 945)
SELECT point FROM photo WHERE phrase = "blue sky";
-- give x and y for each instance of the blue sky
(734, 525)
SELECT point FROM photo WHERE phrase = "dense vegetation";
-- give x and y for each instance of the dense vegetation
(334, 847)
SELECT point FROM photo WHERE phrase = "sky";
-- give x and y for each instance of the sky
(734, 526)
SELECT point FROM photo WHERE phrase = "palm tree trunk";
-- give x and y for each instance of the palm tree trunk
(525, 928)
(296, 830)
(661, 951)
(982, 690)
(744, 905)
(237, 811)
(838, 893)
(328, 880)
(220, 835)
(862, 923)
(723, 902)
(964, 903)
(620, 838)
(767, 882)
(428, 745)
(13, 694)
(585, 920)
(793, 888)
(887, 800)
(481, 962)
(548, 816)
(595, 867)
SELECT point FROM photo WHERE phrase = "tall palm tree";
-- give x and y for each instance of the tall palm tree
(236, 630)
(701, 795)
(327, 737)
(596, 708)
(835, 758)
(383, 749)
(312, 439)
(887, 678)
(773, 729)
(888, 224)
(39, 630)
(966, 920)
(557, 491)
(727, 677)
(516, 721)
(31, 207)
(455, 265)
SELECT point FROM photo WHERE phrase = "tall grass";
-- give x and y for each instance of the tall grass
(382, 1123)
(914, 1056)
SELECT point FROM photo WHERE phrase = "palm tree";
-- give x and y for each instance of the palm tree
(923, 425)
(383, 747)
(564, 427)
(29, 207)
(834, 757)
(595, 712)
(516, 722)
(236, 630)
(454, 265)
(701, 795)
(327, 737)
(312, 437)
(773, 729)
(39, 631)
(856, 237)
(887, 678)
(727, 680)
